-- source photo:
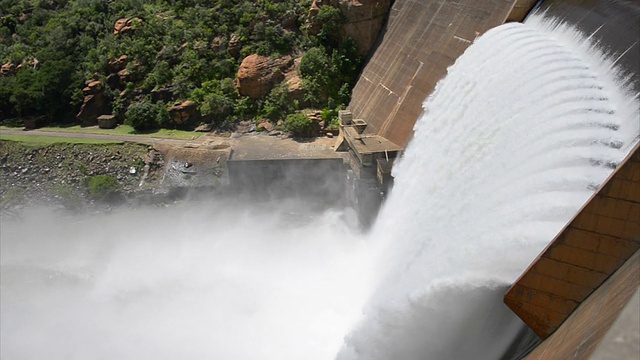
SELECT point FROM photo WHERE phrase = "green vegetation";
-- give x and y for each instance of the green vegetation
(103, 188)
(299, 125)
(146, 115)
(182, 49)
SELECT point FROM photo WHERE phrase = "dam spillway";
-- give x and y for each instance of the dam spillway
(497, 166)
(421, 39)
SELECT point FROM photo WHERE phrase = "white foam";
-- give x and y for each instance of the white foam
(501, 159)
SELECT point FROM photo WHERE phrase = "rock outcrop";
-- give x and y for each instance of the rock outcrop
(294, 84)
(7, 69)
(259, 74)
(363, 20)
(125, 25)
(234, 46)
(183, 113)
(93, 105)
(118, 64)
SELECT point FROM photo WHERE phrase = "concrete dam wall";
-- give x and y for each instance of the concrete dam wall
(420, 40)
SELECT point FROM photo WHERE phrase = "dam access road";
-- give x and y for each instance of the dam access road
(239, 146)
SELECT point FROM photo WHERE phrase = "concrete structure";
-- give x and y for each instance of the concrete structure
(421, 39)
(267, 165)
(592, 247)
(369, 155)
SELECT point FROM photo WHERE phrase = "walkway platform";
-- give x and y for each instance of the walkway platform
(256, 146)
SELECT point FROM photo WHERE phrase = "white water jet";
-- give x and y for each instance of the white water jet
(516, 138)
(526, 124)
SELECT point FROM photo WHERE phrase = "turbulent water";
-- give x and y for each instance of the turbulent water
(528, 122)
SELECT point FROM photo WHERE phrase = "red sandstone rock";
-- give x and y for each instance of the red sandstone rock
(92, 88)
(183, 113)
(118, 64)
(313, 24)
(259, 74)
(93, 104)
(124, 25)
(265, 125)
(7, 68)
(294, 84)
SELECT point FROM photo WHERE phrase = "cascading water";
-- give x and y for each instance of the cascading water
(526, 125)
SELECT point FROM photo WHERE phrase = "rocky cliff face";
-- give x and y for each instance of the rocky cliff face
(363, 19)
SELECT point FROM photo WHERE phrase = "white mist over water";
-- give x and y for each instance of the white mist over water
(510, 146)
(219, 280)
(527, 123)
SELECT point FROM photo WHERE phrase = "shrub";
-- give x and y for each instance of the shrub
(299, 125)
(104, 188)
(146, 115)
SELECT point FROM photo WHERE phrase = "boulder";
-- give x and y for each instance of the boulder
(294, 84)
(259, 74)
(218, 44)
(164, 94)
(313, 24)
(124, 76)
(93, 87)
(234, 46)
(207, 127)
(265, 125)
(183, 113)
(118, 64)
(125, 25)
(289, 21)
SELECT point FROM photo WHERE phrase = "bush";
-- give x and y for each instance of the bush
(146, 115)
(299, 125)
(104, 188)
